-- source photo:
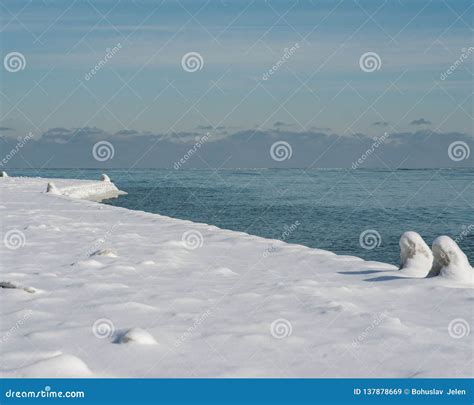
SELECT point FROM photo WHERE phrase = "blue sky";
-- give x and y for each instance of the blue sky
(320, 87)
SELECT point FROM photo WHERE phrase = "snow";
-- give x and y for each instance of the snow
(137, 335)
(416, 258)
(216, 303)
(450, 261)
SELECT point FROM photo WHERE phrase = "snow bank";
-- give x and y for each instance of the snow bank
(51, 188)
(137, 335)
(450, 261)
(416, 258)
(224, 307)
(95, 191)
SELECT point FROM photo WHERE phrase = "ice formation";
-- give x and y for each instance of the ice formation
(450, 261)
(52, 189)
(416, 258)
(3, 174)
(137, 335)
(106, 178)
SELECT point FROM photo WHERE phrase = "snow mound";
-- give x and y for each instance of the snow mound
(12, 285)
(105, 252)
(63, 365)
(51, 188)
(3, 174)
(450, 261)
(416, 258)
(137, 335)
(90, 190)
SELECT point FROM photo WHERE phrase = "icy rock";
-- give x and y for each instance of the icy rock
(415, 255)
(52, 189)
(450, 261)
(105, 252)
(137, 335)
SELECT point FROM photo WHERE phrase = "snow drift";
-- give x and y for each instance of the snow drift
(95, 191)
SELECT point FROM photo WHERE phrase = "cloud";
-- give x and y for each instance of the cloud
(71, 148)
(280, 124)
(380, 124)
(420, 121)
(127, 132)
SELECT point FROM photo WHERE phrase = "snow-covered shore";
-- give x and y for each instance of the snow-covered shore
(92, 290)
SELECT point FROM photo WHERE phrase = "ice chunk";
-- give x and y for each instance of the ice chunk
(450, 261)
(52, 189)
(137, 335)
(416, 258)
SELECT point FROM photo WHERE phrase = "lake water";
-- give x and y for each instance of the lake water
(353, 212)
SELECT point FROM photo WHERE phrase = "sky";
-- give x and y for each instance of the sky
(329, 78)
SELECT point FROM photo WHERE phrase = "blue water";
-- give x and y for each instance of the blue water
(327, 209)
